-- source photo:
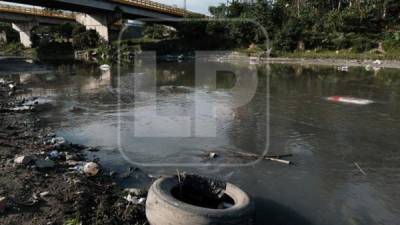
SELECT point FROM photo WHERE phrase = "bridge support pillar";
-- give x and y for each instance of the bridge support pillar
(98, 23)
(24, 30)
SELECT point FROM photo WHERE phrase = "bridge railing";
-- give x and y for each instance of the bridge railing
(154, 6)
(36, 11)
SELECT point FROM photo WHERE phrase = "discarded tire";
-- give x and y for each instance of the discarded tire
(162, 208)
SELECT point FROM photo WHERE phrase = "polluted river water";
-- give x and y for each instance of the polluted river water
(345, 156)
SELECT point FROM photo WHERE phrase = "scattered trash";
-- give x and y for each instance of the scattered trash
(357, 101)
(274, 158)
(91, 169)
(51, 135)
(44, 194)
(54, 154)
(368, 67)
(105, 67)
(44, 164)
(23, 160)
(57, 141)
(343, 68)
(378, 62)
(3, 204)
(135, 200)
(360, 169)
(212, 155)
(134, 191)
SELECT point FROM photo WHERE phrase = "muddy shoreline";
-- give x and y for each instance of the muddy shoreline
(42, 180)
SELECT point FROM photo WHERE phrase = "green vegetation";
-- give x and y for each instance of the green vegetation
(310, 28)
(11, 45)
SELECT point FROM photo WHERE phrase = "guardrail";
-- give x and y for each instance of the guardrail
(37, 12)
(154, 6)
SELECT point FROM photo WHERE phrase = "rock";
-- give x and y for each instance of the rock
(91, 149)
(3, 204)
(23, 160)
(91, 169)
(44, 164)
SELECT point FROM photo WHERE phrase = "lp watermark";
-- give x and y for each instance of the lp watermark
(159, 111)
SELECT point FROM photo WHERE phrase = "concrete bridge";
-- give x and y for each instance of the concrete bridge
(99, 15)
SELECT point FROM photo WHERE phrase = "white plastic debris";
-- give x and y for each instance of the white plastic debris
(44, 194)
(105, 67)
(91, 169)
(135, 200)
(58, 140)
(23, 160)
(54, 154)
(213, 155)
(378, 62)
(343, 68)
(350, 100)
(134, 191)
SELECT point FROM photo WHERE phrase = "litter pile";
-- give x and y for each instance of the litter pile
(46, 180)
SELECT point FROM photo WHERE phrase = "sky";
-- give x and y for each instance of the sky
(200, 6)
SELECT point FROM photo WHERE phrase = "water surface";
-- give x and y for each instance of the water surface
(345, 156)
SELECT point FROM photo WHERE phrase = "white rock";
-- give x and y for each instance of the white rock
(91, 169)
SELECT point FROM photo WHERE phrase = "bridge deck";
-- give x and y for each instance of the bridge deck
(145, 4)
(37, 12)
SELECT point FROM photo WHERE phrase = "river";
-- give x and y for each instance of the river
(345, 157)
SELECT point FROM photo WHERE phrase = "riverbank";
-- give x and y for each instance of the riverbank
(367, 63)
(42, 177)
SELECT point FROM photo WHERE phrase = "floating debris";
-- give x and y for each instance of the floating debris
(350, 100)
(105, 67)
(343, 68)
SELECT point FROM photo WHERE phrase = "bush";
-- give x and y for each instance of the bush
(48, 50)
(86, 40)
(13, 49)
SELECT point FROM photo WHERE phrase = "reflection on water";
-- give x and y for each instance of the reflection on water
(328, 140)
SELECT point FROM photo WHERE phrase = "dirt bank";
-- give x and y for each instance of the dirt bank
(42, 177)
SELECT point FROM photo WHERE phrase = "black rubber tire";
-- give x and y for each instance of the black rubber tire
(163, 209)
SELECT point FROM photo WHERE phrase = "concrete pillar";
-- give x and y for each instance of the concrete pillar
(98, 23)
(24, 30)
(3, 37)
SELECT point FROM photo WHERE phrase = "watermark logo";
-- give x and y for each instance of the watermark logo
(174, 106)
